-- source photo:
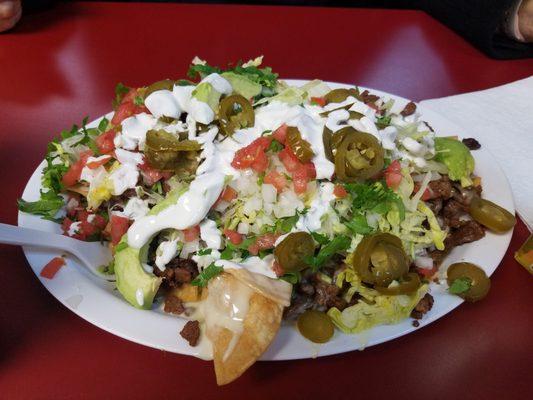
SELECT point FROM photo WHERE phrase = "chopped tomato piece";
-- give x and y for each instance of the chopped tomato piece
(276, 267)
(318, 101)
(99, 162)
(252, 156)
(289, 159)
(310, 170)
(427, 195)
(427, 273)
(192, 233)
(393, 174)
(228, 194)
(340, 192)
(123, 111)
(233, 236)
(300, 180)
(119, 226)
(50, 270)
(253, 249)
(150, 175)
(267, 241)
(280, 134)
(276, 179)
(105, 142)
(130, 96)
(72, 176)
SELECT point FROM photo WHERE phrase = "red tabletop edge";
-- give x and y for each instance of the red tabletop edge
(62, 64)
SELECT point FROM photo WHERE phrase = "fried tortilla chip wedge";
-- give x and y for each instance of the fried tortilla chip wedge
(276, 290)
(241, 323)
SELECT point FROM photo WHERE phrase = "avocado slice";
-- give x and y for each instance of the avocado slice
(133, 282)
(205, 92)
(242, 85)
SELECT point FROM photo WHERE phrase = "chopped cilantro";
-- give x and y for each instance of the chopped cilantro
(358, 224)
(374, 197)
(206, 275)
(204, 252)
(275, 146)
(120, 92)
(460, 285)
(292, 277)
(138, 101)
(383, 121)
(102, 126)
(337, 245)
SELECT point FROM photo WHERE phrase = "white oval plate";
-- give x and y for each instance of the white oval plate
(99, 303)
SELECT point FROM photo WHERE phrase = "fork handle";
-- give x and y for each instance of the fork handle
(16, 235)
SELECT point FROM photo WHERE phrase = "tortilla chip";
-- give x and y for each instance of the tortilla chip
(259, 327)
(187, 293)
(276, 290)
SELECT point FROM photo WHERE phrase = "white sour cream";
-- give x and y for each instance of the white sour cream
(123, 178)
(210, 234)
(134, 131)
(262, 266)
(220, 84)
(165, 252)
(136, 208)
(311, 221)
(163, 103)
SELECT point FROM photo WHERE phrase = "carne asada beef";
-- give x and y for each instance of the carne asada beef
(191, 332)
(471, 143)
(440, 188)
(177, 272)
(453, 212)
(424, 305)
(174, 305)
(409, 109)
(467, 232)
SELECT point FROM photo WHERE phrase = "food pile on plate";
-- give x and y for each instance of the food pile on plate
(237, 201)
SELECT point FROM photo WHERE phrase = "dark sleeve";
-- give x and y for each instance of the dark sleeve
(478, 21)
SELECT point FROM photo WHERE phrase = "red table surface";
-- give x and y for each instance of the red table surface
(61, 65)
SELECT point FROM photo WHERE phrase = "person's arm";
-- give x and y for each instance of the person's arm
(10, 12)
(481, 22)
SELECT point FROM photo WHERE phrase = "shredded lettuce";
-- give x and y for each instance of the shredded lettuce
(374, 308)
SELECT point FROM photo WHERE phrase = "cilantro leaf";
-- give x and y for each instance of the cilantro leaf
(120, 92)
(206, 275)
(374, 197)
(383, 121)
(138, 101)
(319, 238)
(47, 206)
(292, 277)
(460, 285)
(358, 224)
(204, 252)
(337, 245)
(275, 146)
(102, 126)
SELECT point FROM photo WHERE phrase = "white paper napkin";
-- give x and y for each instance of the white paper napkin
(502, 119)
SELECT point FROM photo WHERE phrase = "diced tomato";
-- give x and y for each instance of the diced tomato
(319, 101)
(340, 192)
(276, 179)
(65, 225)
(50, 270)
(234, 237)
(393, 174)
(300, 180)
(99, 162)
(427, 195)
(192, 233)
(253, 249)
(310, 170)
(427, 273)
(280, 134)
(119, 226)
(130, 96)
(267, 241)
(228, 194)
(73, 202)
(72, 176)
(252, 156)
(105, 143)
(141, 109)
(150, 175)
(122, 112)
(289, 159)
(276, 267)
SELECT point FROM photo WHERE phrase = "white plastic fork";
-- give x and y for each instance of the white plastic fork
(92, 254)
